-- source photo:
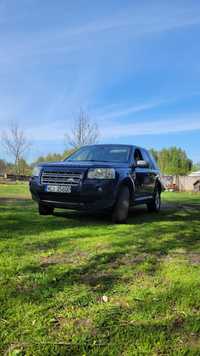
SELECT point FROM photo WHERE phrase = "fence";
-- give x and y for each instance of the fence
(182, 183)
(6, 178)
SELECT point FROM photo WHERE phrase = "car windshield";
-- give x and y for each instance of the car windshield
(101, 153)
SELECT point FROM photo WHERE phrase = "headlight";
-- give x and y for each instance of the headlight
(101, 173)
(36, 171)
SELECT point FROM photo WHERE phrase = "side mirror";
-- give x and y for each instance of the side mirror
(142, 164)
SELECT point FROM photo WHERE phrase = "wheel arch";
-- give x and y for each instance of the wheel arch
(128, 182)
(159, 186)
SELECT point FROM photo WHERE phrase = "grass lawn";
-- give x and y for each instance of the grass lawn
(74, 284)
(19, 190)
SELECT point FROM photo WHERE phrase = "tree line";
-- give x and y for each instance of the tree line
(172, 161)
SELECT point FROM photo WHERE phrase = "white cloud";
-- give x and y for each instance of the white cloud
(116, 111)
(151, 127)
(114, 130)
(133, 22)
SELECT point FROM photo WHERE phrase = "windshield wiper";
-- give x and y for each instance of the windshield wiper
(87, 160)
(90, 160)
(98, 160)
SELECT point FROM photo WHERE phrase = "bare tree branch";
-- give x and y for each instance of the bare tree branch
(15, 143)
(84, 131)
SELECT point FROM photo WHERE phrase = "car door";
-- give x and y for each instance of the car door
(150, 174)
(139, 176)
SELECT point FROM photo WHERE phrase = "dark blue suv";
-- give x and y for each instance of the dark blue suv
(99, 177)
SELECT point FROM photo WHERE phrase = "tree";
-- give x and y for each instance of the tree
(2, 166)
(84, 131)
(24, 167)
(154, 153)
(53, 157)
(15, 143)
(172, 161)
(68, 153)
(196, 167)
(50, 157)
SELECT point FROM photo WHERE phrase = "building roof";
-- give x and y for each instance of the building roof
(195, 174)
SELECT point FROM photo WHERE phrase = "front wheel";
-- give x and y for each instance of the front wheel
(121, 208)
(155, 204)
(45, 210)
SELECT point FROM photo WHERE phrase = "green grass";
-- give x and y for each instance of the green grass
(56, 272)
(179, 198)
(14, 190)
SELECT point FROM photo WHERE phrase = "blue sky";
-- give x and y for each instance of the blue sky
(133, 65)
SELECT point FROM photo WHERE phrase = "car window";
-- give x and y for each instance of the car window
(154, 164)
(146, 157)
(137, 155)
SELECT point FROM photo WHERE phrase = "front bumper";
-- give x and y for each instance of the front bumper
(90, 195)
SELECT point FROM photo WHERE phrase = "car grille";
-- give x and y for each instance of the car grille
(61, 177)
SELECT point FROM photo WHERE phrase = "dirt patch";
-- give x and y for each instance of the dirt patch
(20, 198)
(194, 258)
(23, 288)
(127, 260)
(54, 260)
(83, 323)
(178, 321)
(132, 260)
(193, 341)
(191, 257)
(62, 322)
(63, 258)
(97, 279)
(155, 258)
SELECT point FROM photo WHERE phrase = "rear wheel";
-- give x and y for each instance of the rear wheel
(121, 208)
(155, 204)
(45, 210)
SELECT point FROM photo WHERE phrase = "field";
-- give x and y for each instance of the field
(73, 284)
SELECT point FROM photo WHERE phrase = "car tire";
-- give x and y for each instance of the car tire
(121, 208)
(155, 204)
(45, 210)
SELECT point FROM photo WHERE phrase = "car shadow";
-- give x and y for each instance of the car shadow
(137, 214)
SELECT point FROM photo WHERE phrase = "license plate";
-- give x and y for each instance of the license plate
(59, 188)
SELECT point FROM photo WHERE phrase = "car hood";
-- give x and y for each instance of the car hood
(83, 164)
